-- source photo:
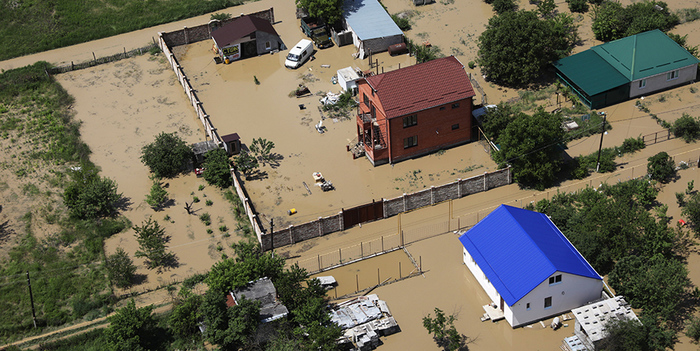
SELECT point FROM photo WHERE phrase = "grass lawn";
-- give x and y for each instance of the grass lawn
(30, 26)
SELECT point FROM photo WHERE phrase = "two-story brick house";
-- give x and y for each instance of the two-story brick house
(414, 110)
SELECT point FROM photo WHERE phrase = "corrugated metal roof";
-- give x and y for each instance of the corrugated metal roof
(369, 20)
(422, 86)
(239, 28)
(518, 249)
(590, 72)
(619, 62)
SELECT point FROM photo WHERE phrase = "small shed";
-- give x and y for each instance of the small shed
(347, 79)
(244, 37)
(371, 26)
(232, 143)
(262, 290)
(200, 149)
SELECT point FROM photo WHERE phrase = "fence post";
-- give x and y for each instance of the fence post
(320, 226)
(319, 262)
(362, 252)
(485, 185)
(404, 202)
(382, 243)
(459, 188)
(340, 255)
(432, 196)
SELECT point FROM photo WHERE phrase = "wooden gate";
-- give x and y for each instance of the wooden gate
(364, 213)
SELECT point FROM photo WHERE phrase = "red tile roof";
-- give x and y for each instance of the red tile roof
(421, 86)
(239, 28)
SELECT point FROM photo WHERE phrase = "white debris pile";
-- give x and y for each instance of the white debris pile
(330, 98)
(363, 320)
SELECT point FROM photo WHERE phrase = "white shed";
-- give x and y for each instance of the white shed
(527, 267)
(347, 78)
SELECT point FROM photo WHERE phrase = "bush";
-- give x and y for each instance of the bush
(471, 64)
(693, 329)
(403, 23)
(661, 167)
(502, 6)
(158, 195)
(152, 245)
(580, 6)
(686, 127)
(631, 145)
(167, 156)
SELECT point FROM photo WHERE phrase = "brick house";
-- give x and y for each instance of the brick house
(414, 111)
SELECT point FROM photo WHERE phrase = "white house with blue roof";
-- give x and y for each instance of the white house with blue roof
(371, 26)
(527, 266)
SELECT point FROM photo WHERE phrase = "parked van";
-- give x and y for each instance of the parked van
(299, 53)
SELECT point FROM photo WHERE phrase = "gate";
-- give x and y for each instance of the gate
(363, 213)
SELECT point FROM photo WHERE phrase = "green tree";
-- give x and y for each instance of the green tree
(612, 21)
(683, 41)
(630, 334)
(517, 46)
(157, 197)
(90, 196)
(443, 330)
(217, 168)
(315, 323)
(250, 264)
(229, 328)
(657, 285)
(152, 245)
(546, 8)
(502, 6)
(693, 329)
(496, 120)
(246, 163)
(691, 210)
(120, 268)
(130, 328)
(403, 22)
(530, 145)
(580, 6)
(329, 10)
(262, 148)
(661, 167)
(423, 53)
(687, 127)
(184, 320)
(167, 156)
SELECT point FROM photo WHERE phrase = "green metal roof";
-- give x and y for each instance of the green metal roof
(631, 58)
(590, 72)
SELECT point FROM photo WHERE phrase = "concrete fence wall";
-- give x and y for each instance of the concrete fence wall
(392, 207)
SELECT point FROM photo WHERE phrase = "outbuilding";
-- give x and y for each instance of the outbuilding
(626, 68)
(527, 267)
(372, 28)
(244, 37)
(347, 79)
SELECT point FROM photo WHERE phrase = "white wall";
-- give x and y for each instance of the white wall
(659, 81)
(577, 291)
(573, 291)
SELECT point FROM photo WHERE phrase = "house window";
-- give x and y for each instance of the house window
(365, 99)
(268, 45)
(527, 306)
(547, 302)
(455, 126)
(410, 121)
(672, 75)
(555, 279)
(442, 108)
(642, 83)
(455, 105)
(410, 142)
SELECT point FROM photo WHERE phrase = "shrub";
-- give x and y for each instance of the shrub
(631, 145)
(502, 6)
(217, 169)
(471, 64)
(693, 329)
(152, 245)
(403, 23)
(661, 167)
(205, 217)
(167, 156)
(120, 268)
(686, 127)
(158, 195)
(90, 196)
(220, 16)
(209, 202)
(580, 6)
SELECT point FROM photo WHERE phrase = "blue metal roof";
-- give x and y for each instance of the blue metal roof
(518, 249)
(369, 20)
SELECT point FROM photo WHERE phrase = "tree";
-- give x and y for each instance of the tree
(612, 21)
(580, 6)
(152, 245)
(262, 148)
(315, 322)
(683, 41)
(120, 268)
(657, 284)
(329, 10)
(423, 53)
(661, 167)
(630, 334)
(496, 120)
(158, 195)
(686, 127)
(246, 163)
(217, 168)
(546, 8)
(517, 46)
(691, 210)
(184, 320)
(502, 6)
(443, 330)
(230, 328)
(250, 264)
(90, 196)
(130, 328)
(167, 156)
(530, 145)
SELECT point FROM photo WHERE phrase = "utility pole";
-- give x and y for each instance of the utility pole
(597, 167)
(31, 299)
(272, 241)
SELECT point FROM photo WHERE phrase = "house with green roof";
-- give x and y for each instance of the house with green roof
(634, 66)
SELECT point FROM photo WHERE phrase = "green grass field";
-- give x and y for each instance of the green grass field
(30, 26)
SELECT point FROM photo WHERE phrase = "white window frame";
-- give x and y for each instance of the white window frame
(642, 84)
(672, 74)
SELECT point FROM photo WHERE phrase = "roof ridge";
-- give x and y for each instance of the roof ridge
(530, 236)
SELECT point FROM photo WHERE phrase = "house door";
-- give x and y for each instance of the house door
(501, 303)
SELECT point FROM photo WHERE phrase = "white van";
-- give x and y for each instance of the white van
(299, 53)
